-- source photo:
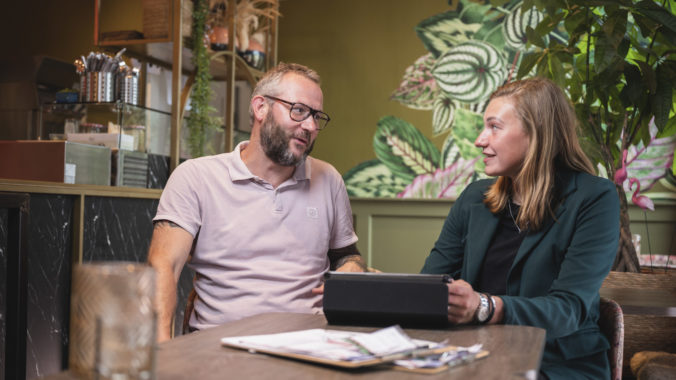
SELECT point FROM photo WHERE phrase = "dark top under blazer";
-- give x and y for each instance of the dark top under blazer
(557, 272)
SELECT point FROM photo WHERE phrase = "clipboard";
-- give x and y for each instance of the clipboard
(266, 344)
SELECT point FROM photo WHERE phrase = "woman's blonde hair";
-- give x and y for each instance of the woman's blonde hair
(551, 125)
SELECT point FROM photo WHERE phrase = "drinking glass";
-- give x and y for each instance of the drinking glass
(113, 321)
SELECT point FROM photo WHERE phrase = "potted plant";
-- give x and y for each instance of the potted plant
(200, 121)
(618, 65)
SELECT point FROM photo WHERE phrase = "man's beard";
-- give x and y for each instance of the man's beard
(275, 142)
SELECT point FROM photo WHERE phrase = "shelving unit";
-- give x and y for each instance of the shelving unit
(171, 53)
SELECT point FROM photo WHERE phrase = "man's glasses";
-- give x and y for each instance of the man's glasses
(300, 112)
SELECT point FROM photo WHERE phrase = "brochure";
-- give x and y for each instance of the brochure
(350, 349)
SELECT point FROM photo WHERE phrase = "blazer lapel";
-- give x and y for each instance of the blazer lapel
(530, 242)
(482, 226)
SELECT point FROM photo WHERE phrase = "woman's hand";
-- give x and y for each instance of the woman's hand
(462, 302)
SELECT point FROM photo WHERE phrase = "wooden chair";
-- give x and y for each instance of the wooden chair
(611, 322)
(189, 306)
(647, 302)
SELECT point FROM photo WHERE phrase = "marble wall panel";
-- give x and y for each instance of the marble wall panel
(158, 171)
(120, 229)
(49, 269)
(117, 229)
(3, 287)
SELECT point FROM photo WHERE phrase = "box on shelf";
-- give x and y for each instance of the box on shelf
(110, 140)
(129, 168)
(56, 161)
(157, 18)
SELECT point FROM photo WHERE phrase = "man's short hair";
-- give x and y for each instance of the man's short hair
(268, 84)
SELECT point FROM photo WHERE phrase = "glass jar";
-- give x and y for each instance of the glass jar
(139, 134)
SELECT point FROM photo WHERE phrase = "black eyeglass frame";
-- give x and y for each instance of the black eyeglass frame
(313, 112)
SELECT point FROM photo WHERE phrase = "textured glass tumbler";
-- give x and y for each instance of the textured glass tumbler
(113, 321)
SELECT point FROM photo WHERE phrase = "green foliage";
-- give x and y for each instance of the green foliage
(373, 179)
(199, 121)
(418, 89)
(404, 149)
(615, 58)
(618, 65)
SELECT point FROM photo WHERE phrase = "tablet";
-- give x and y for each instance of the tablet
(382, 299)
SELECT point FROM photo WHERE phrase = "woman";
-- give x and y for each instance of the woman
(533, 246)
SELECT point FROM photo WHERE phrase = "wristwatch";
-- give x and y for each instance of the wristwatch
(483, 311)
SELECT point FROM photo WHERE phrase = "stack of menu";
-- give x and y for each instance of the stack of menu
(354, 350)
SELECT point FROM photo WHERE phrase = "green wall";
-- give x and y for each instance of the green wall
(361, 48)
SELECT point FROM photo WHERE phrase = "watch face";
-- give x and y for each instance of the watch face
(482, 313)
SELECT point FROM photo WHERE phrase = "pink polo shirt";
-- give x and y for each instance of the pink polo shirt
(258, 249)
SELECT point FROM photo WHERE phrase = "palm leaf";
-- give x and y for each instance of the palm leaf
(443, 183)
(442, 31)
(404, 149)
(372, 179)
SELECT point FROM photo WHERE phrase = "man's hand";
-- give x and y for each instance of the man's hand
(351, 263)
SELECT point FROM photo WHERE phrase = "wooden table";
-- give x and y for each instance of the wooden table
(515, 352)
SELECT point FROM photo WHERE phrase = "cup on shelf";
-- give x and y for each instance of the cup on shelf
(127, 88)
(97, 86)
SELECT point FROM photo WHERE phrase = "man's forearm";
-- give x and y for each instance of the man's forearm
(169, 249)
(166, 303)
(351, 263)
(341, 256)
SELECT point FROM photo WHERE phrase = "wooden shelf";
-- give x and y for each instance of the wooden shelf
(159, 53)
(171, 53)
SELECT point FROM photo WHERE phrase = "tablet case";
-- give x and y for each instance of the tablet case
(382, 299)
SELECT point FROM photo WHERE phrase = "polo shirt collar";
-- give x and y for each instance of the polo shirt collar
(239, 171)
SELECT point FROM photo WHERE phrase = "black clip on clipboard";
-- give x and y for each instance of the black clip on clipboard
(383, 299)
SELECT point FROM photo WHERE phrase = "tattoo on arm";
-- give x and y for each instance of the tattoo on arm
(166, 223)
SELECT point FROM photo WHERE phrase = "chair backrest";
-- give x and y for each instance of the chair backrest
(611, 323)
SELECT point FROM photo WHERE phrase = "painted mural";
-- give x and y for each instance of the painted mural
(472, 49)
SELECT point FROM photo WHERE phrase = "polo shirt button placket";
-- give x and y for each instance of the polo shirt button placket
(277, 202)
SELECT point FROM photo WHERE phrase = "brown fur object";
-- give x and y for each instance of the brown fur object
(653, 365)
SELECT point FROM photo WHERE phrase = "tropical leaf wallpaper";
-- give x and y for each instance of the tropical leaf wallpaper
(472, 50)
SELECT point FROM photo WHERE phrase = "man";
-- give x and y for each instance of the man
(260, 224)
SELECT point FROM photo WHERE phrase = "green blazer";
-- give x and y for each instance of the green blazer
(557, 272)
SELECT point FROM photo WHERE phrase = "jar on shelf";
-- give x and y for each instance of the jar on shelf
(139, 134)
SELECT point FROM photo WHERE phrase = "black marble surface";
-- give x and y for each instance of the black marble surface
(114, 229)
(49, 268)
(117, 229)
(120, 229)
(158, 171)
(3, 287)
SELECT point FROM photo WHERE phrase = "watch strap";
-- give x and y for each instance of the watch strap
(492, 306)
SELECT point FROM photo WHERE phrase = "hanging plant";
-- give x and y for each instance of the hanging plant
(199, 122)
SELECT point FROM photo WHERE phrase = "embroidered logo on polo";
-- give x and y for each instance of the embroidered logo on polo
(312, 212)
